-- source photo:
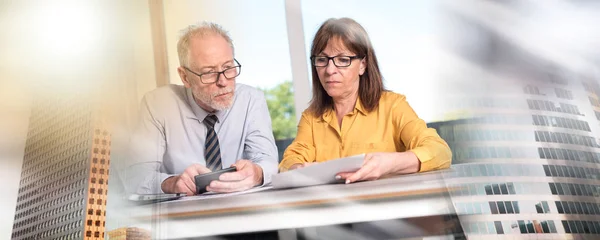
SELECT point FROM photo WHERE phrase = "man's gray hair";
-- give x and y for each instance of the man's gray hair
(198, 30)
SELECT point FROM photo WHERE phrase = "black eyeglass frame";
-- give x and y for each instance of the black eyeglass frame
(312, 60)
(239, 71)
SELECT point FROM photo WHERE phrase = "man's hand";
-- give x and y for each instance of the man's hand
(247, 176)
(380, 164)
(184, 183)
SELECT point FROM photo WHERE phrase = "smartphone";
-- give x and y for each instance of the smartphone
(154, 198)
(203, 180)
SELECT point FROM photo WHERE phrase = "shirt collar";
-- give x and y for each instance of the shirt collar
(358, 107)
(200, 113)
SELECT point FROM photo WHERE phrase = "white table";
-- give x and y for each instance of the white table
(415, 195)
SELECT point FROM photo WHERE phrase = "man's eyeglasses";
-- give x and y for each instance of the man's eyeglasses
(338, 61)
(213, 77)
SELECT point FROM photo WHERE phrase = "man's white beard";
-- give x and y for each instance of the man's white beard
(218, 105)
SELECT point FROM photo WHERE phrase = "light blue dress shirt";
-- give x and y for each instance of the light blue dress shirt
(171, 135)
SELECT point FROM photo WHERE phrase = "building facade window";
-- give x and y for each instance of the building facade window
(563, 93)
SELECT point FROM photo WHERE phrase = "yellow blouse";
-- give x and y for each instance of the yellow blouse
(392, 127)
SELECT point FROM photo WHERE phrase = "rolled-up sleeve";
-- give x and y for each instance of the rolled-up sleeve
(302, 149)
(431, 150)
(259, 143)
(147, 145)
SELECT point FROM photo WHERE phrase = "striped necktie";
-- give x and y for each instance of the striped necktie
(212, 150)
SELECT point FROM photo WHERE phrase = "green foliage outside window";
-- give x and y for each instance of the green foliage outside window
(280, 100)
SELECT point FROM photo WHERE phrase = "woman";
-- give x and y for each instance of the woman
(351, 113)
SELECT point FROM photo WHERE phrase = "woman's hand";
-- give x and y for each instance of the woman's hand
(380, 164)
(301, 165)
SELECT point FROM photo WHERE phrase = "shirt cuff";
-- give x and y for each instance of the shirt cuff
(266, 174)
(162, 177)
(425, 157)
(431, 161)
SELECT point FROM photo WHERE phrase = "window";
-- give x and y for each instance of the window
(567, 208)
(573, 208)
(590, 207)
(596, 209)
(578, 189)
(586, 208)
(89, 222)
(553, 188)
(562, 170)
(571, 172)
(499, 229)
(483, 170)
(488, 190)
(565, 189)
(546, 169)
(509, 208)
(496, 189)
(547, 153)
(579, 208)
(88, 233)
(493, 207)
(581, 228)
(501, 207)
(515, 205)
(472, 190)
(559, 207)
(503, 189)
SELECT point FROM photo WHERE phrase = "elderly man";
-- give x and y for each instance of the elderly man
(205, 125)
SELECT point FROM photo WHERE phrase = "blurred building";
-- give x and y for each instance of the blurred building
(129, 233)
(64, 179)
(528, 158)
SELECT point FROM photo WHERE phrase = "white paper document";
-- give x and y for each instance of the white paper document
(317, 174)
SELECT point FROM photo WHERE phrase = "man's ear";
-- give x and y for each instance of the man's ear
(183, 76)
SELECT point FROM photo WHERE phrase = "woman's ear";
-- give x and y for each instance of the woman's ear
(363, 66)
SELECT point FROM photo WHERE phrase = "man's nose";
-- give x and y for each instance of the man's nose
(222, 81)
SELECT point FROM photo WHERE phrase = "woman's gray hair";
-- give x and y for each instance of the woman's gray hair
(199, 29)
